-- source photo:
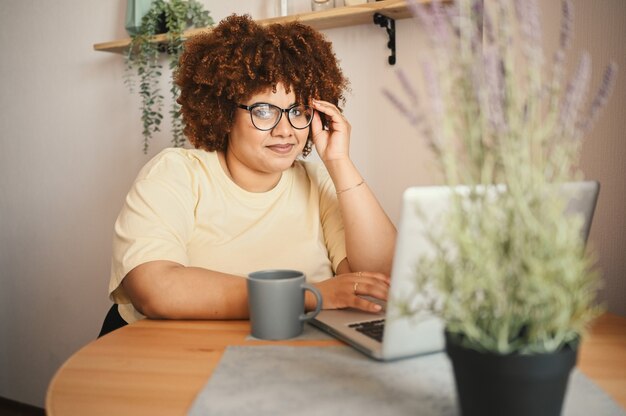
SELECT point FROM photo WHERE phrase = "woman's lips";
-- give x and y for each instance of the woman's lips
(281, 148)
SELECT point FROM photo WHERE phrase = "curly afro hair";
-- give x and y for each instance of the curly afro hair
(240, 58)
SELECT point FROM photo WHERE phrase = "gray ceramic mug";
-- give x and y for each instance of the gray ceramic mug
(276, 303)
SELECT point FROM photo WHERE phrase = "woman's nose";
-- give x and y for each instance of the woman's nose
(283, 128)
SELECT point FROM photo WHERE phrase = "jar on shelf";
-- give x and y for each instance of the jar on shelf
(317, 5)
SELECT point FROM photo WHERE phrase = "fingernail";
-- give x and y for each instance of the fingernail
(377, 307)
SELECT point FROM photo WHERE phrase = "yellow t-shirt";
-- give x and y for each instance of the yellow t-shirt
(184, 208)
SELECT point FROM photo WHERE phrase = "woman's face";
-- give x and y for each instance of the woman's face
(273, 151)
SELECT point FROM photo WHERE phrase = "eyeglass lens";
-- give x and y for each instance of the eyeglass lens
(266, 116)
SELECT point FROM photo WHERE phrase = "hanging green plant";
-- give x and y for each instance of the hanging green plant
(143, 61)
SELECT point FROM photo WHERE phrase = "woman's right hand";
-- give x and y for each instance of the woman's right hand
(332, 142)
(349, 289)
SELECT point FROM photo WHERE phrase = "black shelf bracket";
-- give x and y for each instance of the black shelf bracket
(390, 25)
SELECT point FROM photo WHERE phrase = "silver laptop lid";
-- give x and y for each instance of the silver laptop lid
(423, 211)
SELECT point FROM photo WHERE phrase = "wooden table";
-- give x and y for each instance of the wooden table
(158, 367)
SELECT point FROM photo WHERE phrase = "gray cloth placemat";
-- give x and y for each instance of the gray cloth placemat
(284, 380)
(309, 332)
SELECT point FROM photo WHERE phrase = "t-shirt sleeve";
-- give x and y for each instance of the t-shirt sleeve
(330, 216)
(156, 220)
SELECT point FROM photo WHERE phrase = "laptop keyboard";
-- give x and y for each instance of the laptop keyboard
(373, 329)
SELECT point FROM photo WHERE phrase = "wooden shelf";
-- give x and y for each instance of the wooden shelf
(327, 19)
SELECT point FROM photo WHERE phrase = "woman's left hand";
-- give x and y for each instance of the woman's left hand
(332, 143)
(351, 290)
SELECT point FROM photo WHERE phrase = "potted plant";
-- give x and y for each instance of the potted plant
(143, 58)
(512, 280)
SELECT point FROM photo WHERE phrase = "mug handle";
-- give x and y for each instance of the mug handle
(318, 305)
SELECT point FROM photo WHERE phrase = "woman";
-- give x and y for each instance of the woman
(197, 221)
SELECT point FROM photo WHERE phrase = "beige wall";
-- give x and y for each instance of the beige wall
(602, 32)
(70, 145)
(600, 29)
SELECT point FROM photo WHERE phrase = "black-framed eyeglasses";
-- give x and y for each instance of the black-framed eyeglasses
(266, 116)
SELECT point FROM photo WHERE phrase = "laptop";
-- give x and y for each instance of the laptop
(388, 336)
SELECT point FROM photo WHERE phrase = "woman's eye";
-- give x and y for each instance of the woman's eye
(263, 112)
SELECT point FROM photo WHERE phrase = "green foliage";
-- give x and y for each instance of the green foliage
(513, 272)
(143, 58)
(510, 272)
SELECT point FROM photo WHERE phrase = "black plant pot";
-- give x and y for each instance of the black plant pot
(161, 26)
(512, 385)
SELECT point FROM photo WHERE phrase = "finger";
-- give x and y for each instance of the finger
(373, 275)
(325, 106)
(317, 127)
(366, 305)
(316, 123)
(374, 289)
(336, 117)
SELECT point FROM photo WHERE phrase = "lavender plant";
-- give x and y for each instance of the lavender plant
(511, 271)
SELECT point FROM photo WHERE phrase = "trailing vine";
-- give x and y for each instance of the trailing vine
(143, 61)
